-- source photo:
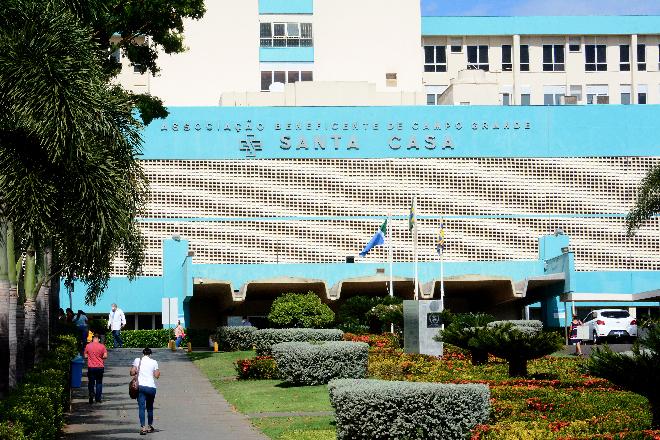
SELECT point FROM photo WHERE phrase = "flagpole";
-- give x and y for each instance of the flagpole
(390, 257)
(416, 258)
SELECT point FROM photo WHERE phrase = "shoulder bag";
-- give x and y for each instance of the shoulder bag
(134, 385)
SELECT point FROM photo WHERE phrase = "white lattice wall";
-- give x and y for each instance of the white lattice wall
(320, 210)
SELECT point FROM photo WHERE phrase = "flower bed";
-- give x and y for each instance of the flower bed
(261, 367)
(556, 400)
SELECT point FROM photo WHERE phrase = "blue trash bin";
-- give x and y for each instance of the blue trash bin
(77, 371)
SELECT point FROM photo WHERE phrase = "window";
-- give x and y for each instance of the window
(507, 64)
(596, 58)
(477, 57)
(506, 99)
(641, 57)
(574, 44)
(597, 94)
(625, 94)
(268, 77)
(285, 34)
(390, 79)
(456, 45)
(433, 94)
(137, 68)
(658, 56)
(553, 57)
(524, 58)
(116, 56)
(576, 91)
(435, 58)
(624, 58)
(642, 90)
(553, 95)
(525, 99)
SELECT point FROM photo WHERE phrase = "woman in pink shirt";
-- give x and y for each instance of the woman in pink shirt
(179, 334)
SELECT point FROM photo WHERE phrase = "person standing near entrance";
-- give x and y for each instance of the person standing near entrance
(116, 322)
(147, 372)
(573, 337)
(96, 354)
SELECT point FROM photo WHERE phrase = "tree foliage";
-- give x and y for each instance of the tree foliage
(69, 144)
(462, 330)
(300, 310)
(648, 201)
(637, 371)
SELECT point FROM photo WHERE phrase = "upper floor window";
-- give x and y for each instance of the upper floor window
(553, 58)
(624, 58)
(268, 77)
(524, 58)
(596, 57)
(574, 44)
(435, 58)
(456, 45)
(507, 63)
(477, 57)
(641, 57)
(285, 34)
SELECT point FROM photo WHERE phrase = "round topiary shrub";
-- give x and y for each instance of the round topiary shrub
(304, 363)
(297, 310)
(235, 338)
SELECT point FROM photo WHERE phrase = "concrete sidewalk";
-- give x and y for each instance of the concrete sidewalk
(186, 406)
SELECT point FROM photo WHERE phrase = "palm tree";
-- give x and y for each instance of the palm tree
(70, 179)
(4, 311)
(648, 201)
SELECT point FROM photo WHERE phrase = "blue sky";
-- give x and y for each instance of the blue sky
(540, 7)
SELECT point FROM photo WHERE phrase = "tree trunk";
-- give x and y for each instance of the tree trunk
(655, 412)
(29, 333)
(20, 339)
(517, 367)
(479, 357)
(4, 312)
(42, 333)
(13, 337)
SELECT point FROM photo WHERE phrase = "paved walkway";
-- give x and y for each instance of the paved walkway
(186, 407)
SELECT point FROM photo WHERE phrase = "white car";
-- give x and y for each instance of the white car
(610, 323)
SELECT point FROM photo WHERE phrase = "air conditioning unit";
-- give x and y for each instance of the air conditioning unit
(569, 100)
(602, 99)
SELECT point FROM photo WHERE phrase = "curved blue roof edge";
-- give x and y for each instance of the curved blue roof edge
(542, 25)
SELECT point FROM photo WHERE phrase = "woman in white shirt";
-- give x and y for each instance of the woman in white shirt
(147, 371)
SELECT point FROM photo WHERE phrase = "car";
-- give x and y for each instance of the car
(610, 323)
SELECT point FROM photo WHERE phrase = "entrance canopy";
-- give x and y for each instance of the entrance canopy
(270, 288)
(651, 295)
(373, 285)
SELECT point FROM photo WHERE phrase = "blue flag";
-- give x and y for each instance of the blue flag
(377, 240)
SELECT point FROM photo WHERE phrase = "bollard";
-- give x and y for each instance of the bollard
(171, 345)
(189, 347)
(215, 347)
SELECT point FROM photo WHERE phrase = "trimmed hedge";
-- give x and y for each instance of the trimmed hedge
(304, 363)
(264, 339)
(380, 410)
(525, 326)
(160, 337)
(35, 409)
(235, 338)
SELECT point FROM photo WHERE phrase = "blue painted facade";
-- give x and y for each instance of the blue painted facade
(286, 54)
(400, 132)
(564, 25)
(286, 6)
(403, 132)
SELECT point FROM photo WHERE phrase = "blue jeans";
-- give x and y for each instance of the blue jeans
(117, 342)
(84, 332)
(178, 341)
(146, 398)
(95, 385)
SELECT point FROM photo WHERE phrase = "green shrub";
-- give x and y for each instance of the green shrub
(462, 330)
(524, 325)
(235, 338)
(147, 338)
(304, 363)
(264, 339)
(518, 344)
(99, 326)
(11, 431)
(375, 409)
(197, 337)
(637, 371)
(297, 310)
(261, 367)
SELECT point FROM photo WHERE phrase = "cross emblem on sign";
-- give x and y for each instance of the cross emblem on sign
(250, 146)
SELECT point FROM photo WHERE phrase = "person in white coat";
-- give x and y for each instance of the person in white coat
(116, 322)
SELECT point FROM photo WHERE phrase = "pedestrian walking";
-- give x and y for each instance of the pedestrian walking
(573, 338)
(96, 354)
(116, 322)
(146, 370)
(82, 323)
(179, 334)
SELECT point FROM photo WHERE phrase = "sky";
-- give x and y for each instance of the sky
(540, 7)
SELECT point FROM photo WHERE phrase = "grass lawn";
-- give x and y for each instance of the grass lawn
(218, 365)
(297, 428)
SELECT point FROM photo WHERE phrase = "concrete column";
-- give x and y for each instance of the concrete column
(515, 59)
(633, 69)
